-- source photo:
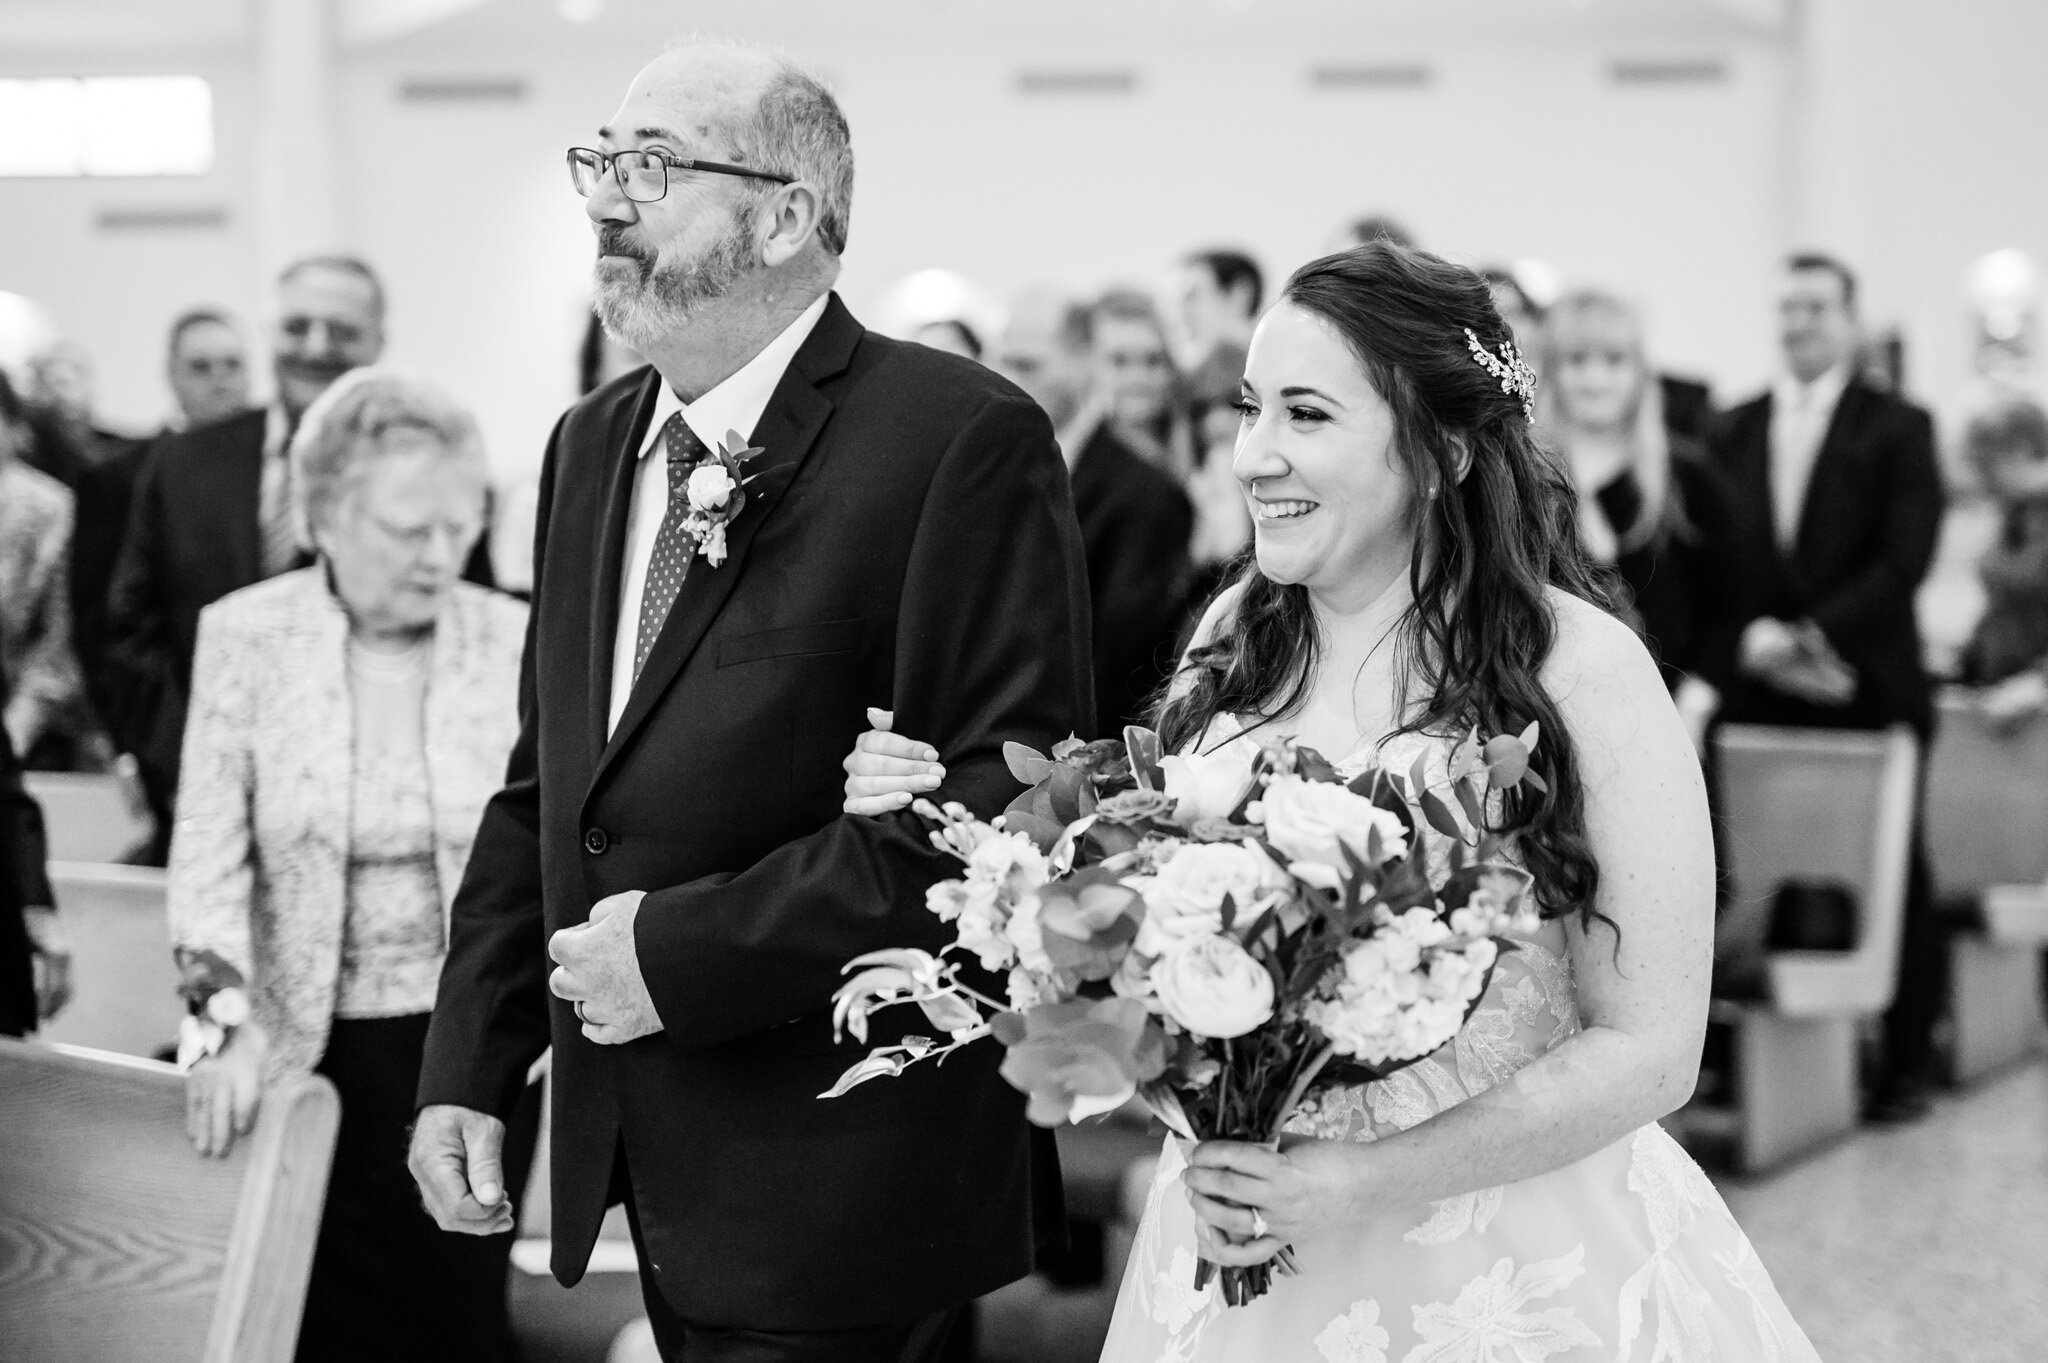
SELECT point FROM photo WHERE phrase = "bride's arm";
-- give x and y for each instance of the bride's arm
(886, 770)
(1643, 1002)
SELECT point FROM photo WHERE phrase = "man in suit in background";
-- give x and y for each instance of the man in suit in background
(35, 965)
(1221, 293)
(1837, 501)
(1135, 520)
(670, 826)
(212, 513)
(207, 367)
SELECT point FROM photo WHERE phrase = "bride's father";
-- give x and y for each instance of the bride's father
(669, 832)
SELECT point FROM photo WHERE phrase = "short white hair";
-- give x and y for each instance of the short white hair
(797, 129)
(351, 421)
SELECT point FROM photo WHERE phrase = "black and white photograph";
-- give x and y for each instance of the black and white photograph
(1023, 681)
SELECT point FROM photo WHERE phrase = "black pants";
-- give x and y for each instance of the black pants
(388, 1284)
(924, 1340)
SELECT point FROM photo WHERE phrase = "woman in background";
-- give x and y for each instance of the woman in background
(1138, 381)
(2007, 654)
(1650, 505)
(46, 710)
(349, 722)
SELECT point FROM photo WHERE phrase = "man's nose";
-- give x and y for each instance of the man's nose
(608, 202)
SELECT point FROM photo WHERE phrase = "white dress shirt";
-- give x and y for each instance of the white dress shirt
(735, 404)
(1800, 414)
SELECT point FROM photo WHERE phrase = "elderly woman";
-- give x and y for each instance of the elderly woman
(2007, 654)
(349, 721)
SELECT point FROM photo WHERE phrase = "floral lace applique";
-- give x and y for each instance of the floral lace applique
(1487, 1324)
(1467, 1213)
(1775, 1327)
(1356, 1336)
(1674, 1193)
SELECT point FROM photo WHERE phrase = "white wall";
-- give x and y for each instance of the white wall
(1682, 196)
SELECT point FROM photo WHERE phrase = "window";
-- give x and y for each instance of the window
(106, 125)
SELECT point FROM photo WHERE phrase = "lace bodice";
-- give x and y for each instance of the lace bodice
(1528, 1009)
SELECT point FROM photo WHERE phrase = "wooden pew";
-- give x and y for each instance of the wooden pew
(119, 1242)
(124, 982)
(92, 817)
(1812, 804)
(1987, 839)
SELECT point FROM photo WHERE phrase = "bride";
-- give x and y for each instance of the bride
(1510, 1199)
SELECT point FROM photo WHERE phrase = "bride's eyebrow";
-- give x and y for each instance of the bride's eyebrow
(1298, 391)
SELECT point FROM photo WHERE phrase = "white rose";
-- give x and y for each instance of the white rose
(1212, 987)
(1312, 821)
(1208, 785)
(1185, 899)
(229, 1007)
(711, 486)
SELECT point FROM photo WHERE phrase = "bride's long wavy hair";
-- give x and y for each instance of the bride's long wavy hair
(1503, 530)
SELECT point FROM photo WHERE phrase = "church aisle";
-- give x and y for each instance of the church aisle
(1922, 1244)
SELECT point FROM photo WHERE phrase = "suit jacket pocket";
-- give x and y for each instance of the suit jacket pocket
(790, 641)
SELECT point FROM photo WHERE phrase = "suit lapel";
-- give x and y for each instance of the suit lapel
(622, 451)
(787, 431)
(1829, 463)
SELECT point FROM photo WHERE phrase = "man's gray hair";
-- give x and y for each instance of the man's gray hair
(799, 129)
(349, 424)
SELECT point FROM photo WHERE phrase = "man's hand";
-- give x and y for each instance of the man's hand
(1767, 645)
(597, 968)
(51, 962)
(457, 1160)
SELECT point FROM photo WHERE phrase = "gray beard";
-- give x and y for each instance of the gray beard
(642, 313)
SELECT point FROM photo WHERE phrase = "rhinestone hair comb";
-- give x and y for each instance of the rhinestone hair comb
(1515, 375)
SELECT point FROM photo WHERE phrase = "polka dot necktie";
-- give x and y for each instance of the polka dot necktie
(673, 549)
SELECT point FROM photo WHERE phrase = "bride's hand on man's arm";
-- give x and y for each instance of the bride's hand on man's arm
(886, 771)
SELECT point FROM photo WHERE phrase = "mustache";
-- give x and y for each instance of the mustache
(613, 241)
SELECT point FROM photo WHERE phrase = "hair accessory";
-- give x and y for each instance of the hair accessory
(1514, 373)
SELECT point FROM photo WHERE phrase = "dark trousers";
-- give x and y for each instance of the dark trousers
(924, 1340)
(388, 1284)
(1922, 990)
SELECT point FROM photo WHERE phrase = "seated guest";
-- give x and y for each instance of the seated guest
(1135, 520)
(35, 966)
(46, 711)
(1650, 505)
(349, 721)
(208, 368)
(2008, 651)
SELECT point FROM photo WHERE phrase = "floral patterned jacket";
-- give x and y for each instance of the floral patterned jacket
(260, 847)
(46, 688)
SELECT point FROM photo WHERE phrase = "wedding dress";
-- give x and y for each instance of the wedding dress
(1628, 1255)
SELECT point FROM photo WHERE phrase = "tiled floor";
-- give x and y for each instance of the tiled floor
(1927, 1244)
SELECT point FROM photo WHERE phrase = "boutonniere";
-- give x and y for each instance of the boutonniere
(718, 492)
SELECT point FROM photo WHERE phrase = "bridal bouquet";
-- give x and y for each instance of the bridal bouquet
(1221, 934)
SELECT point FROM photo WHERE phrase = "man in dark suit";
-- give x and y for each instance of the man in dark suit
(670, 826)
(1836, 504)
(35, 966)
(1136, 521)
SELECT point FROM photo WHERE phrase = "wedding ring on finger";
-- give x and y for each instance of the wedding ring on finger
(581, 1016)
(1258, 1224)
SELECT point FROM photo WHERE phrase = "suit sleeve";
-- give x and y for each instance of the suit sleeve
(138, 632)
(490, 1017)
(991, 645)
(1869, 602)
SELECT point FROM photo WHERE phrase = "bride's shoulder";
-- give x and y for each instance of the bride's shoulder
(1594, 648)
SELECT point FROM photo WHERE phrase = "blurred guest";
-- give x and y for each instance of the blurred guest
(1836, 502)
(35, 964)
(1135, 520)
(349, 721)
(951, 335)
(603, 357)
(1221, 293)
(1518, 308)
(213, 512)
(46, 709)
(1650, 505)
(1369, 229)
(2007, 653)
(208, 368)
(1143, 399)
(1223, 523)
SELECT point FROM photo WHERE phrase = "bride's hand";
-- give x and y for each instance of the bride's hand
(1310, 1187)
(886, 771)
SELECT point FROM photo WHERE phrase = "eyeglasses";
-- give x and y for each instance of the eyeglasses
(643, 175)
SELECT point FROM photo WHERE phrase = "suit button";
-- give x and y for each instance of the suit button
(595, 841)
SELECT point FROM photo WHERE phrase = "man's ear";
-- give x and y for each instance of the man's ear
(792, 215)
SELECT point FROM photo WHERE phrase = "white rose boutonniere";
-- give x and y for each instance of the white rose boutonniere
(717, 493)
